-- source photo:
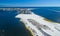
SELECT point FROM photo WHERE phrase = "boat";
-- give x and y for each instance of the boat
(38, 25)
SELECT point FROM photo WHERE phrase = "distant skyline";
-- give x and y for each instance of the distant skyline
(29, 3)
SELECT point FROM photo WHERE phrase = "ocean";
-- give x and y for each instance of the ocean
(11, 26)
(50, 13)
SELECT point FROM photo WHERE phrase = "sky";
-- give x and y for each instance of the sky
(29, 3)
